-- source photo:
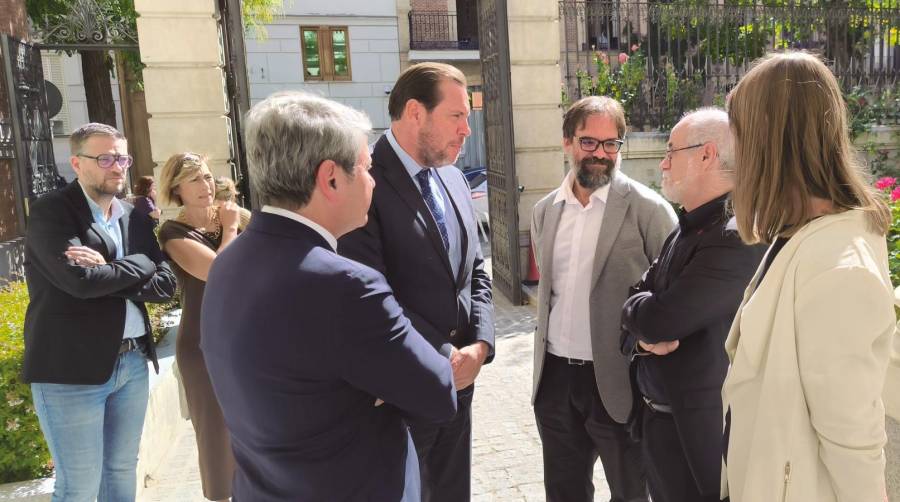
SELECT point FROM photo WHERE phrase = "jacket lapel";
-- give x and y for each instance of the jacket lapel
(548, 237)
(124, 221)
(463, 218)
(396, 176)
(77, 198)
(613, 216)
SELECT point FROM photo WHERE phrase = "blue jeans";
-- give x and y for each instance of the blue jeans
(94, 431)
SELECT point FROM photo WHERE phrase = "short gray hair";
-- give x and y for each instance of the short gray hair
(82, 134)
(710, 125)
(289, 134)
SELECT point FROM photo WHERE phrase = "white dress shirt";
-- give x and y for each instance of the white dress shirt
(304, 220)
(574, 247)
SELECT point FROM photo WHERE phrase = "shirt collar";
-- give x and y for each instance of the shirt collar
(412, 167)
(304, 220)
(565, 192)
(703, 215)
(115, 210)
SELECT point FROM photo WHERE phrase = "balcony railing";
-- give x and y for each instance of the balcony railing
(442, 31)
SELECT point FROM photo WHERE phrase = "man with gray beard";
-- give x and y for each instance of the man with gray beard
(593, 237)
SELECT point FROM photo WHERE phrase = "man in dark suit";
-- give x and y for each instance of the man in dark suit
(422, 236)
(90, 265)
(310, 356)
(680, 312)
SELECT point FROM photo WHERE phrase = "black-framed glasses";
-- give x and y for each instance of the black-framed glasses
(106, 160)
(589, 144)
(670, 151)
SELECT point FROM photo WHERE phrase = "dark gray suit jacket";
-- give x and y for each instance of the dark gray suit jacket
(636, 222)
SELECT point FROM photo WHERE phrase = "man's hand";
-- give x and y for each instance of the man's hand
(659, 349)
(466, 363)
(84, 256)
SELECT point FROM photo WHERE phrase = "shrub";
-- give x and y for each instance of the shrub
(24, 454)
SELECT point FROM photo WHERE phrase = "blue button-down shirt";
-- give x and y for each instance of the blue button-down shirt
(441, 196)
(134, 319)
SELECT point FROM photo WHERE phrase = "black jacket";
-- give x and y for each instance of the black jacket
(401, 240)
(76, 315)
(691, 293)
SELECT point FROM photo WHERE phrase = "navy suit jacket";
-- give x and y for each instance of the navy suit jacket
(401, 240)
(299, 342)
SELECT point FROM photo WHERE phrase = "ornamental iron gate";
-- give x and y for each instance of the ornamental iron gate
(25, 136)
(503, 193)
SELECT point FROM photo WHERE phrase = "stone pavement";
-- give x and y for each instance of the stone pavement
(506, 450)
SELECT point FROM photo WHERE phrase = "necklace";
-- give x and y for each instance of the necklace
(211, 229)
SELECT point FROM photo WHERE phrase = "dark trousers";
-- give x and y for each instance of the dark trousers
(575, 429)
(668, 472)
(445, 454)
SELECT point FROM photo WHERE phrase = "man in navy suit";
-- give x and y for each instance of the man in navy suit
(310, 356)
(422, 236)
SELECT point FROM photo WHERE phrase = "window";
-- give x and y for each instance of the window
(325, 52)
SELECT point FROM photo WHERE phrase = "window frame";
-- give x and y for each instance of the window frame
(325, 41)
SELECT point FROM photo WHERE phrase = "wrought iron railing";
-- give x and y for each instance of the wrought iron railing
(430, 30)
(663, 58)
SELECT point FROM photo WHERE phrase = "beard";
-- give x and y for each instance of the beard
(432, 152)
(594, 173)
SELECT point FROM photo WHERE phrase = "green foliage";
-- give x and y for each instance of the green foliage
(622, 83)
(24, 454)
(257, 13)
(683, 93)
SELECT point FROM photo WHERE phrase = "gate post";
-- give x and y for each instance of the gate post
(184, 82)
(534, 49)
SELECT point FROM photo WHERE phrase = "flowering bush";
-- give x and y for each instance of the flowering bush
(891, 189)
(622, 83)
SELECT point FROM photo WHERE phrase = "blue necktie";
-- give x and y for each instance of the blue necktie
(433, 206)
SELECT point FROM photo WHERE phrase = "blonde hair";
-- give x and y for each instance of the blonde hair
(792, 144)
(179, 167)
(225, 189)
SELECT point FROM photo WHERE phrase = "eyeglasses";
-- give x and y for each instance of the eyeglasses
(589, 144)
(670, 151)
(106, 160)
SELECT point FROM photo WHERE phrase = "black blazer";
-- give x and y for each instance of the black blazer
(691, 293)
(299, 342)
(76, 315)
(401, 240)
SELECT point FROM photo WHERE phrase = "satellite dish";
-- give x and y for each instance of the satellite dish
(54, 98)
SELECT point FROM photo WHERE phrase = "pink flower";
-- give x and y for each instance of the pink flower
(635, 47)
(603, 57)
(895, 194)
(886, 182)
(623, 58)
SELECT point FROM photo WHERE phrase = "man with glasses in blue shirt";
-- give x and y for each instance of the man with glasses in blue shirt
(90, 266)
(593, 237)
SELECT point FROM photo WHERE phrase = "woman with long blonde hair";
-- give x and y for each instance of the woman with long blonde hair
(809, 346)
(202, 229)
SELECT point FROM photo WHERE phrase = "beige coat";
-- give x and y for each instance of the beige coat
(809, 350)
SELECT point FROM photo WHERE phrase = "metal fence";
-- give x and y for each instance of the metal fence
(442, 31)
(660, 59)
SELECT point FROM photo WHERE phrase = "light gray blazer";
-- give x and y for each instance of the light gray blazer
(636, 222)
